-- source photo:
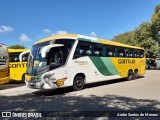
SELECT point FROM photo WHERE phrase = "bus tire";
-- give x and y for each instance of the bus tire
(23, 78)
(130, 75)
(78, 83)
(135, 74)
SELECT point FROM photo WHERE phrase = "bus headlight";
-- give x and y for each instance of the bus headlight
(28, 78)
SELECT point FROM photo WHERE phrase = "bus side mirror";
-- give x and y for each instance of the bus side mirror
(47, 48)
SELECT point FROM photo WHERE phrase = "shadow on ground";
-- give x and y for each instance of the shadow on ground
(59, 101)
(70, 89)
(91, 105)
(11, 84)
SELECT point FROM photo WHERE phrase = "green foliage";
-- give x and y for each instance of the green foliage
(17, 47)
(147, 35)
(126, 38)
(156, 24)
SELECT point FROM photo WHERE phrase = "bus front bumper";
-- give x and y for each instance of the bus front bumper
(43, 84)
(49, 82)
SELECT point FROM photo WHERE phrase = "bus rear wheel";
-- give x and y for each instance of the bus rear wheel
(135, 74)
(78, 83)
(130, 75)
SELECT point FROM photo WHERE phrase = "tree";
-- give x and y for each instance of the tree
(144, 38)
(156, 24)
(17, 47)
(126, 38)
(147, 35)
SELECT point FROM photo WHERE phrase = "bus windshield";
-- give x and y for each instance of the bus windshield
(35, 62)
(55, 57)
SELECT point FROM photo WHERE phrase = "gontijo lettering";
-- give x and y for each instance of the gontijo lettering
(22, 65)
(126, 61)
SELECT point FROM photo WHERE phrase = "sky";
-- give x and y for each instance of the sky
(26, 21)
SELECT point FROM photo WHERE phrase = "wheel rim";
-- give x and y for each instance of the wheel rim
(135, 73)
(130, 76)
(79, 83)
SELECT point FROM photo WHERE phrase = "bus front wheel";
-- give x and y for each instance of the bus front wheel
(78, 83)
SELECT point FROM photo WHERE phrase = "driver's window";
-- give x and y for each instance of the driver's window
(55, 58)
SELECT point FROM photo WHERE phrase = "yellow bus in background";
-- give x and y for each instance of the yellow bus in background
(18, 62)
(4, 64)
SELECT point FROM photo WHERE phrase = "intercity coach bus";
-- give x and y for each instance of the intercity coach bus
(4, 64)
(75, 60)
(18, 64)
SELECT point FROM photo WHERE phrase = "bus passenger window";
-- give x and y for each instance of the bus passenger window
(136, 53)
(110, 51)
(16, 60)
(83, 49)
(14, 57)
(129, 52)
(88, 52)
(120, 52)
(142, 54)
(98, 50)
(110, 54)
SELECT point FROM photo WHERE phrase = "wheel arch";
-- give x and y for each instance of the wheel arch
(79, 74)
(136, 69)
(24, 77)
(130, 70)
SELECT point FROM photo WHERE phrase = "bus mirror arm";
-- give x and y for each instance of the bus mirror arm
(21, 55)
(47, 48)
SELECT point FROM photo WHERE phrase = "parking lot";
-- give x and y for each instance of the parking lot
(142, 94)
(11, 85)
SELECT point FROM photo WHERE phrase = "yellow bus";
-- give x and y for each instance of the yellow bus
(76, 60)
(18, 63)
(4, 64)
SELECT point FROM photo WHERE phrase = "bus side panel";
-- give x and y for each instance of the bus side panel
(105, 69)
(124, 64)
(143, 66)
(94, 69)
(17, 69)
(81, 65)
